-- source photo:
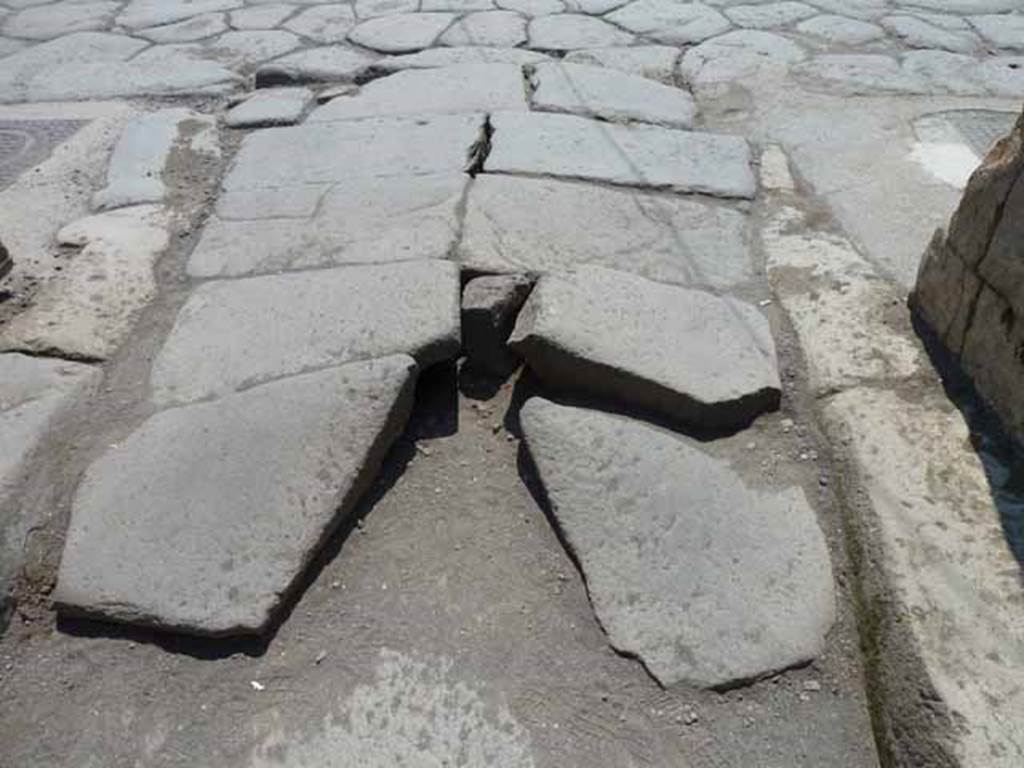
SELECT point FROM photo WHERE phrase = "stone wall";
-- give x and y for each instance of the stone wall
(970, 285)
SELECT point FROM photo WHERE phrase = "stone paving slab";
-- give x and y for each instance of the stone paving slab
(705, 579)
(203, 518)
(567, 32)
(671, 22)
(270, 107)
(458, 88)
(324, 153)
(233, 334)
(604, 93)
(401, 33)
(328, 64)
(657, 62)
(86, 312)
(656, 347)
(502, 29)
(542, 225)
(446, 57)
(135, 174)
(634, 155)
(364, 220)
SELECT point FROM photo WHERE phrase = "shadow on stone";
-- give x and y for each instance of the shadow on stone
(1001, 457)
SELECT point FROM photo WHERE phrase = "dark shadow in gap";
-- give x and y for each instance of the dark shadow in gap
(1001, 457)
(434, 413)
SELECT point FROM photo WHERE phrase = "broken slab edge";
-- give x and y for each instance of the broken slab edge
(266, 616)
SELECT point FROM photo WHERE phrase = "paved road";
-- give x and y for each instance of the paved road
(266, 463)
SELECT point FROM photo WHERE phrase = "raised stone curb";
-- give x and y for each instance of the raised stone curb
(704, 579)
(204, 517)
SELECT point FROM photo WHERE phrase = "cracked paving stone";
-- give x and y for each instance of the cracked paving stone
(667, 21)
(704, 578)
(490, 304)
(187, 31)
(1002, 31)
(324, 23)
(920, 34)
(608, 94)
(769, 15)
(840, 29)
(368, 9)
(204, 517)
(362, 220)
(261, 17)
(270, 106)
(326, 153)
(153, 13)
(541, 225)
(459, 88)
(657, 62)
(683, 354)
(533, 7)
(631, 155)
(401, 33)
(232, 334)
(501, 29)
(329, 64)
(448, 57)
(243, 49)
(48, 22)
(566, 32)
(738, 55)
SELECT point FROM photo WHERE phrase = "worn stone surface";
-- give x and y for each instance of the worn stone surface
(247, 48)
(95, 65)
(446, 57)
(769, 15)
(88, 310)
(970, 284)
(401, 33)
(236, 333)
(657, 62)
(706, 580)
(151, 13)
(840, 29)
(361, 220)
(136, 171)
(569, 31)
(314, 65)
(261, 16)
(203, 518)
(652, 346)
(323, 23)
(670, 22)
(738, 55)
(643, 156)
(501, 29)
(950, 624)
(272, 106)
(604, 93)
(489, 307)
(459, 88)
(543, 225)
(48, 22)
(326, 153)
(1001, 31)
(189, 30)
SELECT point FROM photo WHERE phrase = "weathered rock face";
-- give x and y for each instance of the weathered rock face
(970, 285)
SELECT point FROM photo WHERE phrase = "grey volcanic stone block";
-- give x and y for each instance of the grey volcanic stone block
(516, 224)
(271, 106)
(692, 357)
(235, 333)
(605, 93)
(204, 517)
(489, 307)
(704, 579)
(632, 155)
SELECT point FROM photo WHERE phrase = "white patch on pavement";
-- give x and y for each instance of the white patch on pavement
(415, 713)
(950, 163)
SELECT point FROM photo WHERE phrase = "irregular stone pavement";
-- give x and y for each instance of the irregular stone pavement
(608, 152)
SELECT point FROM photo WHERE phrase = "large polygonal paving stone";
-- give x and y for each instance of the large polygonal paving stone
(541, 225)
(683, 354)
(565, 32)
(605, 93)
(669, 21)
(448, 57)
(50, 21)
(706, 580)
(235, 333)
(503, 29)
(152, 13)
(363, 220)
(459, 88)
(204, 517)
(401, 33)
(632, 155)
(737, 55)
(325, 153)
